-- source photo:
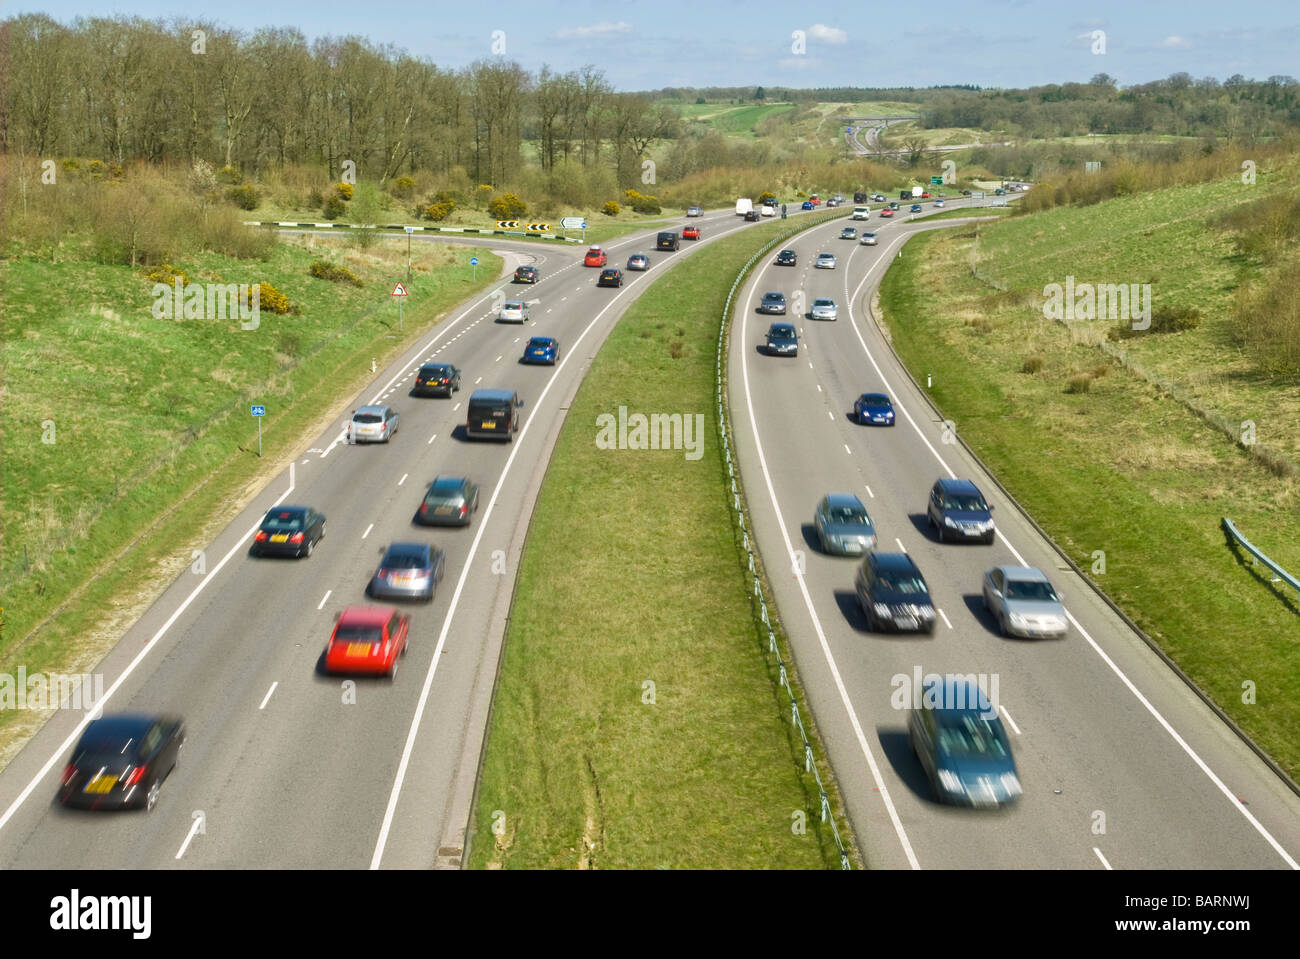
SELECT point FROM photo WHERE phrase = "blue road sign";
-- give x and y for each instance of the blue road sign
(258, 411)
(473, 261)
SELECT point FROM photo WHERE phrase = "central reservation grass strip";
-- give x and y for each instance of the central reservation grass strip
(632, 576)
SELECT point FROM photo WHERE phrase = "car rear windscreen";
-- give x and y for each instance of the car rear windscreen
(367, 418)
(368, 634)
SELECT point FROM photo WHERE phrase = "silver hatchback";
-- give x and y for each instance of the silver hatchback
(1024, 603)
(373, 424)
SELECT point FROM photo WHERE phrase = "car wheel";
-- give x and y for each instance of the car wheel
(151, 797)
(311, 544)
(988, 540)
(322, 533)
(821, 541)
(392, 673)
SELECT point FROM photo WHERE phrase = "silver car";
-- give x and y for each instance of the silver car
(823, 308)
(848, 233)
(373, 424)
(1024, 603)
(408, 571)
(825, 261)
(868, 239)
(844, 527)
(513, 311)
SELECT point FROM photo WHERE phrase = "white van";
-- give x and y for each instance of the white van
(861, 212)
(744, 206)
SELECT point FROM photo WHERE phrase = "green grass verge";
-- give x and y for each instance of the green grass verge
(153, 442)
(633, 574)
(1121, 468)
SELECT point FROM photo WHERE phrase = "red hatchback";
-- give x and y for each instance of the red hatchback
(691, 233)
(595, 257)
(367, 639)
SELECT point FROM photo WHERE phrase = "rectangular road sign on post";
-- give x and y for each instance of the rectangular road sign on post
(936, 181)
(573, 223)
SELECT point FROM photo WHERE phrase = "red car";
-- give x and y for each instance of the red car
(886, 212)
(815, 199)
(595, 257)
(925, 196)
(367, 639)
(691, 233)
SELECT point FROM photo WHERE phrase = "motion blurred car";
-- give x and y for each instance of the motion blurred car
(513, 311)
(925, 194)
(807, 205)
(450, 501)
(121, 760)
(610, 277)
(408, 571)
(289, 531)
(782, 340)
(873, 409)
(957, 509)
(1024, 603)
(824, 308)
(825, 261)
(844, 527)
(966, 193)
(767, 209)
(374, 424)
(959, 741)
(542, 349)
(878, 197)
(893, 594)
(694, 211)
(639, 262)
(526, 274)
(772, 302)
(787, 258)
(595, 257)
(868, 239)
(886, 213)
(832, 202)
(750, 217)
(938, 203)
(436, 379)
(690, 233)
(916, 208)
(848, 233)
(367, 639)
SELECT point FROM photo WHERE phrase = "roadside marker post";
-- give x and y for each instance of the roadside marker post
(258, 412)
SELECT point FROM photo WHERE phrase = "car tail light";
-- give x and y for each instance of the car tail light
(136, 775)
(424, 508)
(261, 536)
(296, 538)
(69, 771)
(464, 508)
(384, 573)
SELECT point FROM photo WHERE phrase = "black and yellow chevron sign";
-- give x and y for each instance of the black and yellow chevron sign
(539, 228)
(507, 224)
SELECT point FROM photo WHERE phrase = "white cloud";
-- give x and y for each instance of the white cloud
(1175, 41)
(819, 31)
(593, 31)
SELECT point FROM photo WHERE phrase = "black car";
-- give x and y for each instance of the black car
(859, 198)
(611, 277)
(289, 531)
(667, 240)
(121, 761)
(772, 303)
(526, 274)
(752, 216)
(436, 379)
(451, 501)
(958, 510)
(787, 258)
(893, 594)
(782, 340)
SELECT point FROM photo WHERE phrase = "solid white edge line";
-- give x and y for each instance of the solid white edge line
(267, 699)
(945, 618)
(1102, 858)
(368, 529)
(1012, 722)
(808, 604)
(71, 740)
(1236, 804)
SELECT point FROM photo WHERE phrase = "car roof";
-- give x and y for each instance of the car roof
(900, 562)
(123, 725)
(365, 615)
(377, 410)
(824, 299)
(281, 510)
(408, 549)
(874, 398)
(492, 395)
(436, 366)
(958, 486)
(448, 482)
(773, 293)
(1023, 574)
(548, 340)
(954, 688)
(841, 500)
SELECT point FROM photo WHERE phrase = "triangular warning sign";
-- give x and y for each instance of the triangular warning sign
(399, 290)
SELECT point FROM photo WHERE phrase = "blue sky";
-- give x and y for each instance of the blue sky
(658, 43)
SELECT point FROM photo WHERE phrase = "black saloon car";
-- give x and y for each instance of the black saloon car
(121, 761)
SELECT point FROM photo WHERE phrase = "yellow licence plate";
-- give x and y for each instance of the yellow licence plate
(358, 649)
(280, 538)
(101, 784)
(489, 425)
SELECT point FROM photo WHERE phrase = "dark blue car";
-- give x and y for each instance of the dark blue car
(807, 205)
(958, 738)
(542, 349)
(873, 409)
(916, 208)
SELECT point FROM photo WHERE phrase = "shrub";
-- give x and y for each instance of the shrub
(437, 211)
(1164, 319)
(611, 208)
(507, 207)
(482, 194)
(343, 190)
(642, 203)
(1079, 383)
(271, 299)
(1032, 364)
(338, 274)
(245, 197)
(166, 273)
(315, 198)
(228, 174)
(1100, 370)
(766, 195)
(403, 186)
(334, 207)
